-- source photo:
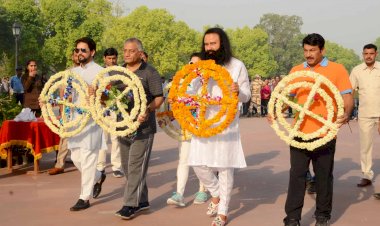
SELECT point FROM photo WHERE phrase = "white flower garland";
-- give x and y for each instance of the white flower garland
(279, 97)
(166, 122)
(64, 127)
(129, 123)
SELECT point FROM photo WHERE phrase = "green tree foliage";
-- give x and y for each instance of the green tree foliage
(27, 13)
(168, 43)
(284, 39)
(339, 54)
(66, 21)
(50, 27)
(377, 43)
(251, 46)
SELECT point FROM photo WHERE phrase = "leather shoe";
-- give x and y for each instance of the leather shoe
(364, 182)
(80, 205)
(55, 171)
(98, 186)
(376, 195)
(291, 222)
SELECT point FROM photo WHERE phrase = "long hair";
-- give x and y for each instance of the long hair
(26, 72)
(225, 46)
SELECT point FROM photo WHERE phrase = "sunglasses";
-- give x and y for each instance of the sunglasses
(80, 49)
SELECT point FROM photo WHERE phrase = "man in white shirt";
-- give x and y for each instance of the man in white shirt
(85, 146)
(222, 152)
(366, 79)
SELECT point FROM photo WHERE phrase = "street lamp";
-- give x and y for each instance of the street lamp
(16, 29)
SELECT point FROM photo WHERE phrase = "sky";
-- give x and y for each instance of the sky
(350, 23)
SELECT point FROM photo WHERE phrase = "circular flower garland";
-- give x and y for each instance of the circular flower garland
(133, 90)
(65, 126)
(165, 120)
(279, 97)
(190, 109)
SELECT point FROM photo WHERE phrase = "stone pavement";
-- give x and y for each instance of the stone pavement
(258, 196)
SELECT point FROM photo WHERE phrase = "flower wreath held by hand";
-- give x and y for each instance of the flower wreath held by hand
(280, 98)
(132, 90)
(190, 110)
(65, 125)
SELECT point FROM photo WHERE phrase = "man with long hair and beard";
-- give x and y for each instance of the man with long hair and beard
(222, 152)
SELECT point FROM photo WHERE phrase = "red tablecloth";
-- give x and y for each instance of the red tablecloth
(34, 135)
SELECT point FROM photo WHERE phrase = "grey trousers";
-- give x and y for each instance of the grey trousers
(135, 155)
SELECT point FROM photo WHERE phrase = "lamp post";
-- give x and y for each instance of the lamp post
(16, 29)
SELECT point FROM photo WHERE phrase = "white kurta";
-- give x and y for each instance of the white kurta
(224, 149)
(91, 137)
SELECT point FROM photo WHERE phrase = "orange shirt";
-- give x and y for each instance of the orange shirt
(338, 75)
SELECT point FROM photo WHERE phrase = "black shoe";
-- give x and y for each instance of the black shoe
(322, 221)
(127, 212)
(291, 222)
(376, 195)
(80, 205)
(364, 182)
(98, 186)
(142, 206)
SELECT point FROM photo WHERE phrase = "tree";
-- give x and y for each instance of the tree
(251, 46)
(339, 54)
(27, 13)
(284, 39)
(168, 43)
(66, 21)
(377, 43)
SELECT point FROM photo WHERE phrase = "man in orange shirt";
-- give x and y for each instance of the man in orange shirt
(322, 158)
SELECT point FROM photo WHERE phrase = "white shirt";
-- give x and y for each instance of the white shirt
(367, 81)
(224, 149)
(91, 137)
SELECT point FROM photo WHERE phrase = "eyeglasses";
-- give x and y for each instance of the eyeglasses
(80, 49)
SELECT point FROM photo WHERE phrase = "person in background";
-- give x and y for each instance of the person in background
(4, 86)
(32, 84)
(255, 106)
(110, 59)
(366, 79)
(145, 57)
(183, 167)
(265, 96)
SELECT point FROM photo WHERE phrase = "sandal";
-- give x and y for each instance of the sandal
(212, 209)
(218, 221)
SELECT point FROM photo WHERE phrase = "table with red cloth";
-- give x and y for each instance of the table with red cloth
(35, 136)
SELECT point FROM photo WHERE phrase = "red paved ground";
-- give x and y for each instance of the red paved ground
(258, 196)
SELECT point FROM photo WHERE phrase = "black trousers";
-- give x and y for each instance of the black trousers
(323, 165)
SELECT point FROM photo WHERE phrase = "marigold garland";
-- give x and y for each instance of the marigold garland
(279, 97)
(190, 109)
(65, 127)
(165, 120)
(132, 83)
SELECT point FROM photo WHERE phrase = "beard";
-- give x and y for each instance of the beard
(82, 59)
(218, 56)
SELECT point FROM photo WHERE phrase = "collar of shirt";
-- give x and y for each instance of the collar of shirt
(88, 64)
(375, 66)
(323, 63)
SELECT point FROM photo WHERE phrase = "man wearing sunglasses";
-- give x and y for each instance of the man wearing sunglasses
(86, 145)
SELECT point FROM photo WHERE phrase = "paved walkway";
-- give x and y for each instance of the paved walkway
(258, 196)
